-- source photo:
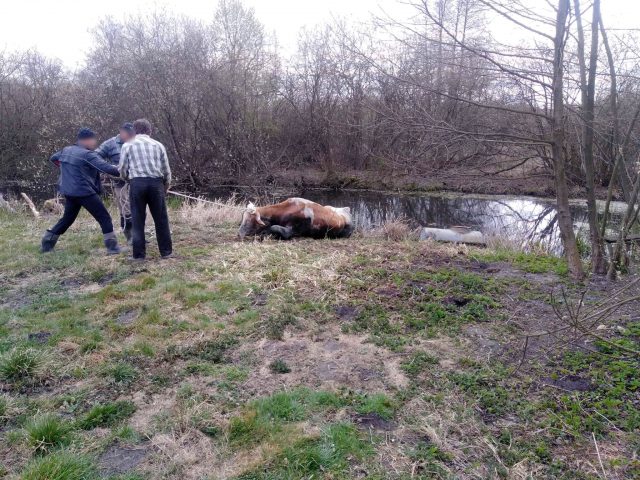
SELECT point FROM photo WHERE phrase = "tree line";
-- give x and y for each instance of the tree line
(432, 92)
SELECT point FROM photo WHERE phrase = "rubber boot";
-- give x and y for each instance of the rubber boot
(48, 241)
(127, 230)
(111, 242)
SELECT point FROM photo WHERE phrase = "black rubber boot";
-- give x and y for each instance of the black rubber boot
(111, 242)
(127, 230)
(48, 241)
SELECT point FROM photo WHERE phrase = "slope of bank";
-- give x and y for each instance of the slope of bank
(359, 358)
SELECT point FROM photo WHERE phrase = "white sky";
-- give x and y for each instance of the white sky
(60, 28)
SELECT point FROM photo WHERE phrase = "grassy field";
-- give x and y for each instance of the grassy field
(362, 358)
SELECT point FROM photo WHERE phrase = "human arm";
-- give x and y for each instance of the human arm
(55, 158)
(105, 148)
(166, 168)
(124, 161)
(99, 164)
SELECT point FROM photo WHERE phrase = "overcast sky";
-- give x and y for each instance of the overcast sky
(60, 28)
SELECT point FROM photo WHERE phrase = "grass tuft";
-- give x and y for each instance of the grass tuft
(279, 366)
(20, 364)
(62, 465)
(106, 415)
(47, 432)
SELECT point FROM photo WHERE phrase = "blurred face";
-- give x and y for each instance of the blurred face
(89, 143)
(126, 136)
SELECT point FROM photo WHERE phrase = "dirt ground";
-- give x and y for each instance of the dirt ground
(358, 358)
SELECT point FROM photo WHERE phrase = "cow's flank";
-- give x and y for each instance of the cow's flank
(296, 217)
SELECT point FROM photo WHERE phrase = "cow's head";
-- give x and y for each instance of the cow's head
(251, 224)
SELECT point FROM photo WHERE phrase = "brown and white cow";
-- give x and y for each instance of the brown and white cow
(296, 217)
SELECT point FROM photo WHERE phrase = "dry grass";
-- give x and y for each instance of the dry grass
(202, 213)
(395, 229)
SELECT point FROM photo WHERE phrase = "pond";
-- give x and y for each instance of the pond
(524, 220)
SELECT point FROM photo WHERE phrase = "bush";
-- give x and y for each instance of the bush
(19, 364)
(48, 431)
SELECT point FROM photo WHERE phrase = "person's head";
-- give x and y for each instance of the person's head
(87, 138)
(142, 126)
(127, 132)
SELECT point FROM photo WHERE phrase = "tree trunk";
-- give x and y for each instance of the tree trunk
(587, 86)
(565, 222)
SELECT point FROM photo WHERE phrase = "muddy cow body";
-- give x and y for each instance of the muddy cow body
(296, 217)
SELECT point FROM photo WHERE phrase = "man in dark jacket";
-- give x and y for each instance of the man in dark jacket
(80, 169)
(110, 151)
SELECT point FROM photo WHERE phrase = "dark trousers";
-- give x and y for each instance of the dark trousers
(149, 192)
(93, 204)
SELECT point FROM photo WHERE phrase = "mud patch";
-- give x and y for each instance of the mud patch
(119, 459)
(346, 313)
(572, 383)
(127, 318)
(39, 337)
(339, 360)
(373, 421)
(260, 300)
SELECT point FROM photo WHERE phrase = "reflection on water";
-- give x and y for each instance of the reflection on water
(525, 220)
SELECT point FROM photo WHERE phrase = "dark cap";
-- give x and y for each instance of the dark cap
(85, 133)
(127, 127)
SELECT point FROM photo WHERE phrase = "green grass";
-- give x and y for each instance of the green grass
(279, 366)
(47, 431)
(378, 404)
(267, 416)
(528, 262)
(418, 362)
(62, 465)
(121, 372)
(20, 364)
(106, 415)
(328, 456)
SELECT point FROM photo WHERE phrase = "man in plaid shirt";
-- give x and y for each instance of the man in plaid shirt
(144, 162)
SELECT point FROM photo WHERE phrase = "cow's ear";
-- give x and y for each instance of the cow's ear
(259, 220)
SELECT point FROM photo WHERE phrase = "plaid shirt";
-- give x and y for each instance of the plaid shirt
(144, 157)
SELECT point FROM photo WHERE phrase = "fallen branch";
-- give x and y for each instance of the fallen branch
(604, 473)
(30, 204)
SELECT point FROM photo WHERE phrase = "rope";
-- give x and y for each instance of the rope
(226, 205)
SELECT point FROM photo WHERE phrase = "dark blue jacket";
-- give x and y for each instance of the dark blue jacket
(110, 151)
(80, 171)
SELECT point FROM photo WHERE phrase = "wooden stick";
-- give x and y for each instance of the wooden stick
(604, 473)
(30, 204)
